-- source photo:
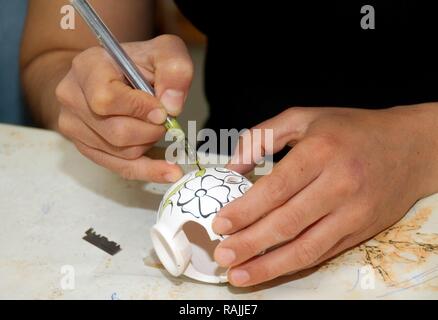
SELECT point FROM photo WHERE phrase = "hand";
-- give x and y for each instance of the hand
(113, 124)
(350, 174)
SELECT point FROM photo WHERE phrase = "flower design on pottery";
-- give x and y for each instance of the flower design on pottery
(243, 188)
(222, 170)
(203, 196)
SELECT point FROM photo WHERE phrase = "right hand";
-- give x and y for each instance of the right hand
(115, 125)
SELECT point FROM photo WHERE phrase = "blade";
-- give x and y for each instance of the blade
(101, 242)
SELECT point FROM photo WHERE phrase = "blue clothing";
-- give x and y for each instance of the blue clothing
(12, 16)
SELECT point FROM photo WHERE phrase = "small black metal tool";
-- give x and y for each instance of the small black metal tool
(101, 242)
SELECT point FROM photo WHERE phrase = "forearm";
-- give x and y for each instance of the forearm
(40, 79)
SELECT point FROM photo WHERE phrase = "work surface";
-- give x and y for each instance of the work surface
(50, 195)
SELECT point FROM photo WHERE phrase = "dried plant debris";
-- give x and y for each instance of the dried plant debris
(101, 242)
(396, 251)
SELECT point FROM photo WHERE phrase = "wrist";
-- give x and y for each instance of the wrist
(40, 79)
(418, 125)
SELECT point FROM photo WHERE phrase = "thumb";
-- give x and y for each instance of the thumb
(270, 137)
(173, 73)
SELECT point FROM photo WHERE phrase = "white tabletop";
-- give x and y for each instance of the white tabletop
(50, 195)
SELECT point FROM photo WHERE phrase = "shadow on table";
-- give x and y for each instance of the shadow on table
(274, 283)
(153, 262)
(105, 183)
(243, 291)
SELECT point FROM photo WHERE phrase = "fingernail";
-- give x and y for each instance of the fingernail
(173, 101)
(221, 225)
(239, 277)
(172, 177)
(157, 116)
(225, 257)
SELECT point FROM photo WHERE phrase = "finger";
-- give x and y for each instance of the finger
(118, 131)
(270, 137)
(284, 223)
(143, 169)
(296, 255)
(298, 169)
(108, 94)
(125, 131)
(173, 71)
(74, 128)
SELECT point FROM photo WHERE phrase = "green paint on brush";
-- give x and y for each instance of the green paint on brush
(172, 124)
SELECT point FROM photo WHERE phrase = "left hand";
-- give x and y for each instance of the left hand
(351, 174)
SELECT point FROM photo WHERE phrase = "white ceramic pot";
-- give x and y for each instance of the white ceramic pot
(183, 237)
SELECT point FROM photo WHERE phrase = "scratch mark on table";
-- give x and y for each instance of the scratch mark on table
(402, 245)
(46, 208)
(408, 287)
(417, 277)
(357, 281)
(115, 296)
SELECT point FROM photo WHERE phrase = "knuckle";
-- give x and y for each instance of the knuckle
(170, 39)
(249, 246)
(364, 218)
(351, 179)
(91, 52)
(355, 171)
(277, 189)
(341, 187)
(289, 226)
(181, 67)
(63, 124)
(128, 172)
(369, 218)
(101, 100)
(83, 59)
(292, 111)
(139, 108)
(77, 61)
(322, 147)
(327, 142)
(82, 151)
(97, 157)
(307, 252)
(133, 153)
(265, 273)
(154, 135)
(119, 133)
(347, 185)
(62, 92)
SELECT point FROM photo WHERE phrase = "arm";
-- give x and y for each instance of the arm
(73, 86)
(48, 50)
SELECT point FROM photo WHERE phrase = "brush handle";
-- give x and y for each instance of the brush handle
(112, 46)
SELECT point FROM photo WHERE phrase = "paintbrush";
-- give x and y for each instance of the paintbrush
(129, 68)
